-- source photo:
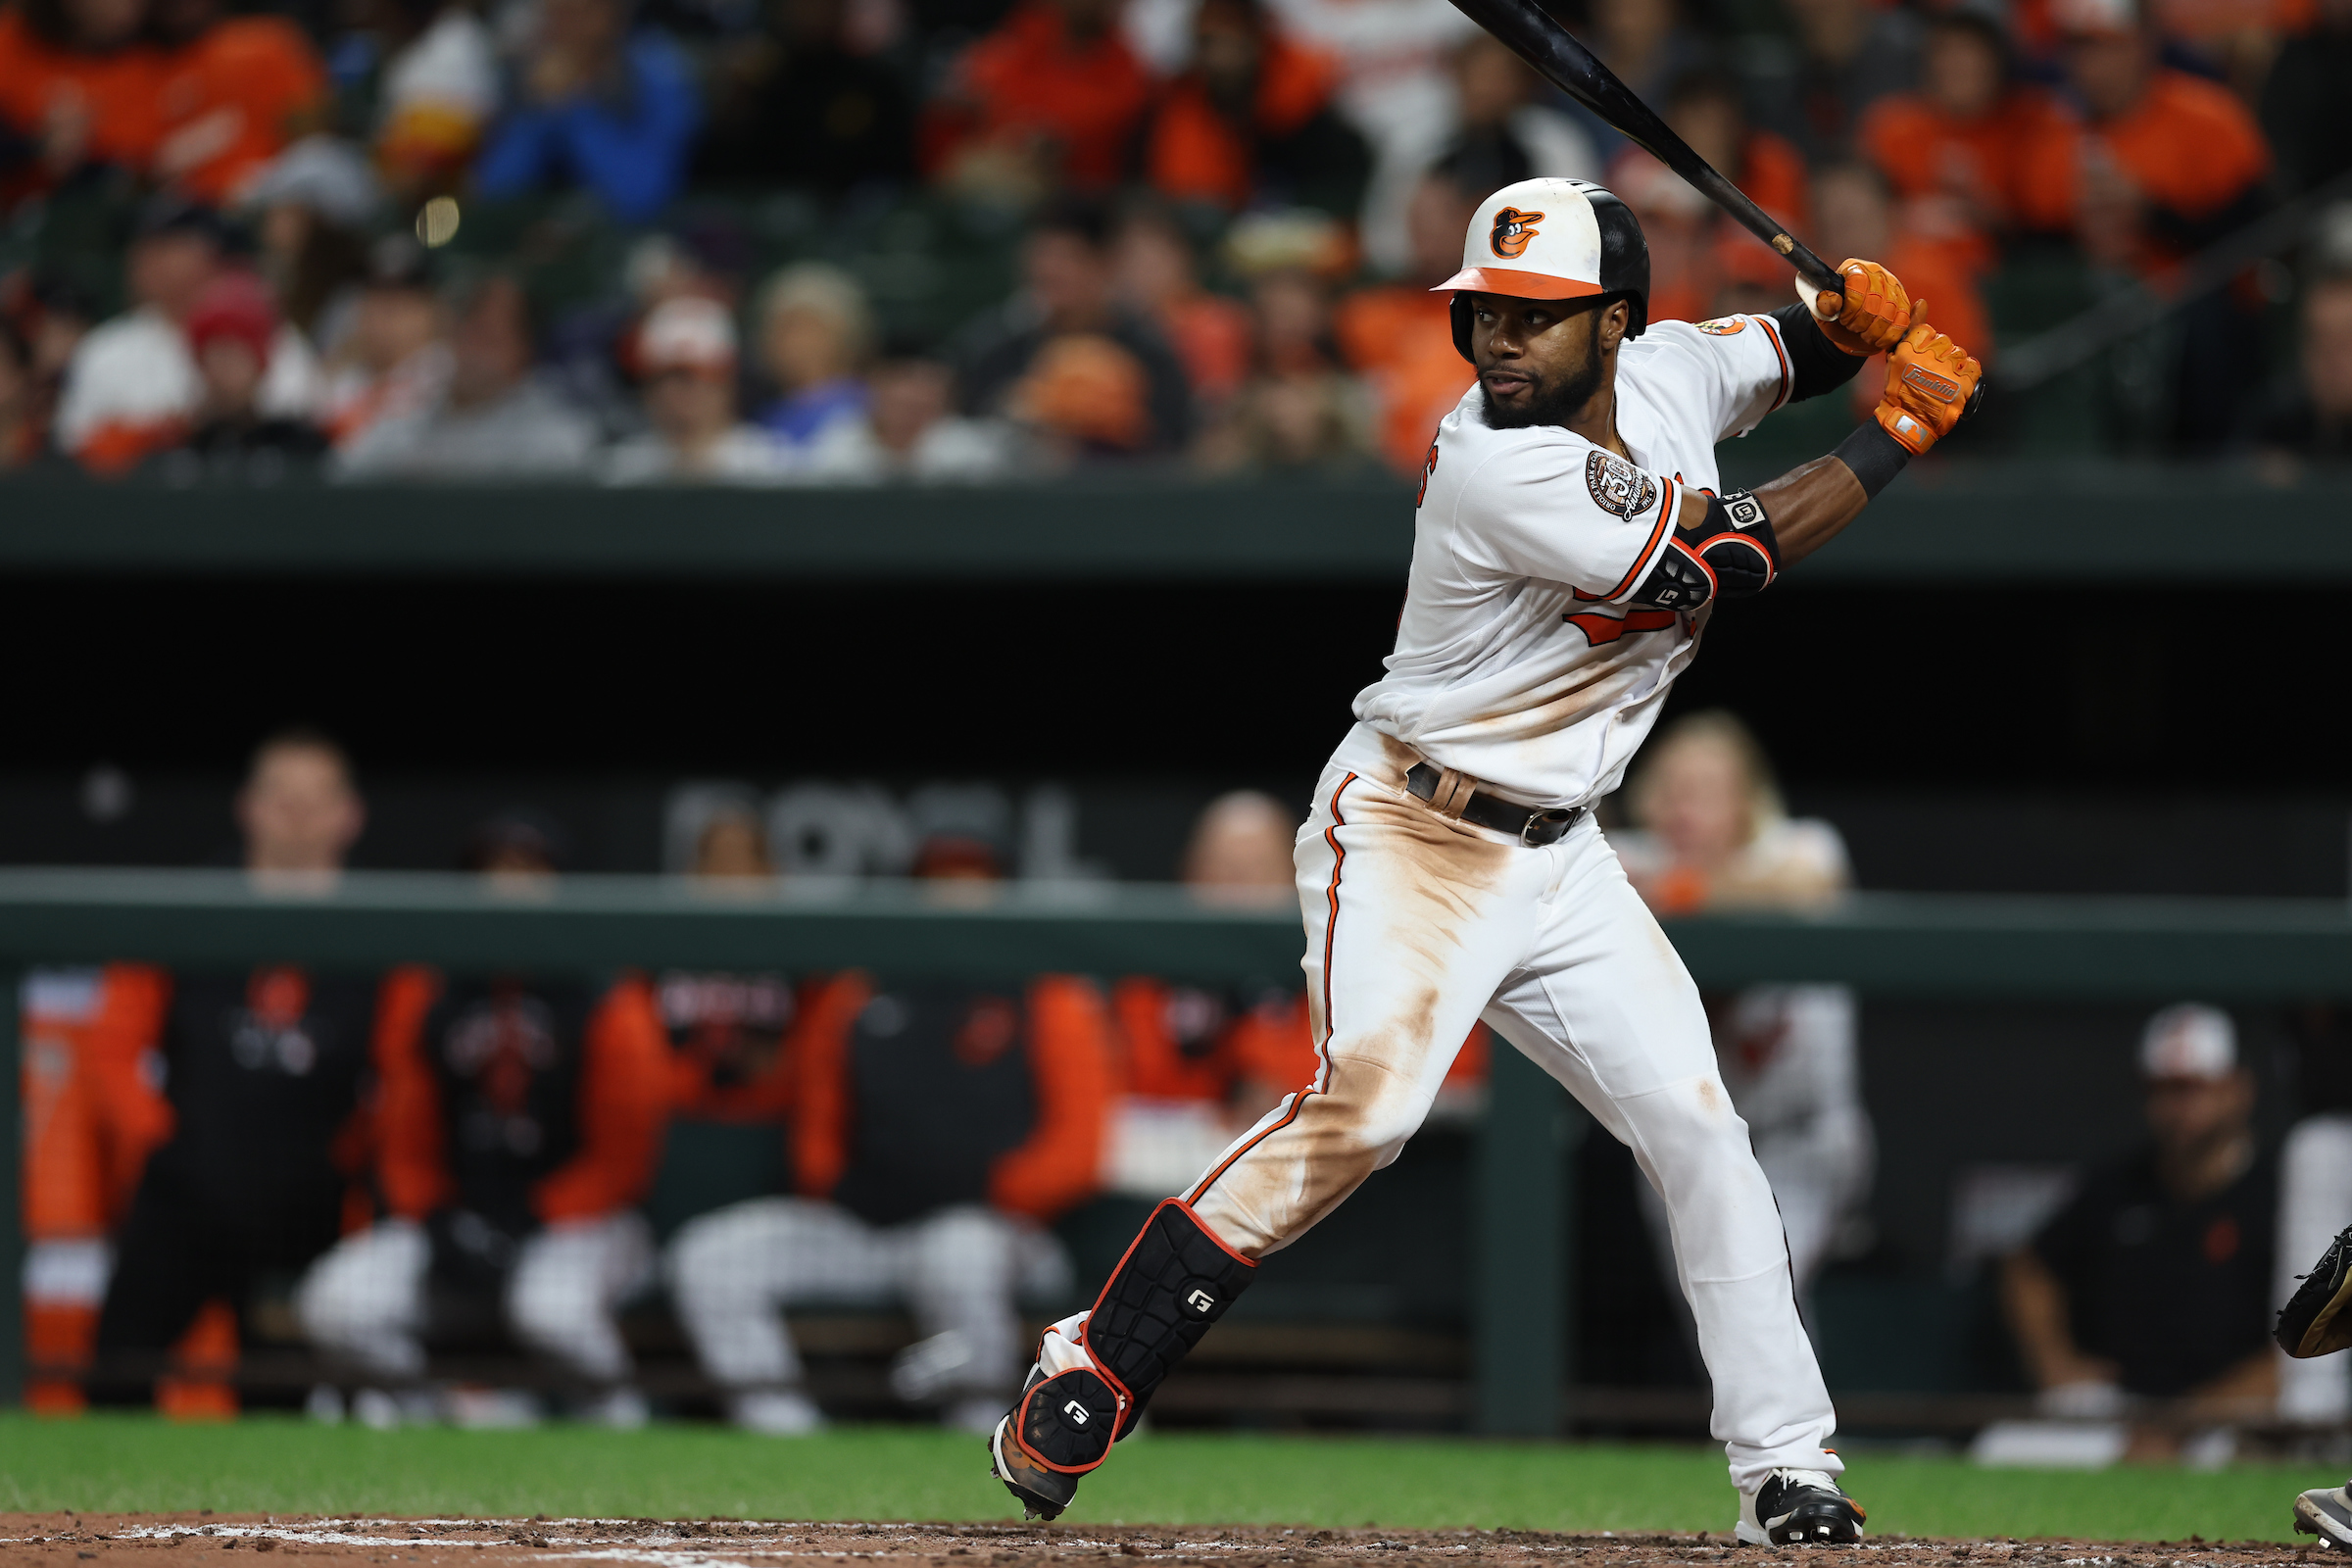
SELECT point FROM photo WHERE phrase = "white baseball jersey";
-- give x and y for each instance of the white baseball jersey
(1519, 659)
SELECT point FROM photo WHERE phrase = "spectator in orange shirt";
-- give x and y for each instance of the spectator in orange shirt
(1050, 99)
(1954, 151)
(1400, 336)
(1251, 122)
(92, 1115)
(78, 90)
(236, 91)
(1160, 277)
(518, 1121)
(2162, 162)
(2163, 165)
(1702, 264)
(935, 1127)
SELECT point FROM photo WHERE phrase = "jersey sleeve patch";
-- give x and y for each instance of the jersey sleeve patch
(1724, 327)
(1619, 488)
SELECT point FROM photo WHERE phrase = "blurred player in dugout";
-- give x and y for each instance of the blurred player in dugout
(2154, 1281)
(518, 1122)
(935, 1128)
(192, 1134)
(1197, 1065)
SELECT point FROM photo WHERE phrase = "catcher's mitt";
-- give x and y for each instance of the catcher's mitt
(2314, 1321)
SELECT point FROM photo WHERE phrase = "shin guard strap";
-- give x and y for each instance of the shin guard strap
(1174, 1282)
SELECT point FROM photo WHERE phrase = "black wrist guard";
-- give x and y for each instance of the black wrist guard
(1729, 553)
(1874, 456)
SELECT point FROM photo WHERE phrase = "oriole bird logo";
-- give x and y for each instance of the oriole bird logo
(1514, 229)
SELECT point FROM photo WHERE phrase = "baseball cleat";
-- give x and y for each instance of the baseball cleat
(1800, 1508)
(1043, 1492)
(2327, 1512)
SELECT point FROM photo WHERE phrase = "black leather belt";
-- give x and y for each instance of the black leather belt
(1533, 828)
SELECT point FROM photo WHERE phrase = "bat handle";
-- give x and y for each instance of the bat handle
(1809, 267)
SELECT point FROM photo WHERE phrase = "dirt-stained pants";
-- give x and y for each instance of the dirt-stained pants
(1417, 926)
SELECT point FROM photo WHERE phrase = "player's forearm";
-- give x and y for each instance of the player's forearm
(2036, 1312)
(1810, 506)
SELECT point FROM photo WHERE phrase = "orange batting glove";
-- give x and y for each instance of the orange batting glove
(1870, 317)
(1930, 379)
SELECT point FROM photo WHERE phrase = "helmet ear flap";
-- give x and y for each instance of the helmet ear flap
(1461, 325)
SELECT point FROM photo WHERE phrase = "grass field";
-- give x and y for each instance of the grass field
(127, 1463)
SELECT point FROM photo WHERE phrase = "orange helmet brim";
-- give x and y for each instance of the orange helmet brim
(1517, 285)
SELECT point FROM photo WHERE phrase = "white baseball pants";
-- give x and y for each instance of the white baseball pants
(1418, 926)
(960, 1272)
(364, 1299)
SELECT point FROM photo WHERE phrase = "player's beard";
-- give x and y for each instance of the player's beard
(1555, 401)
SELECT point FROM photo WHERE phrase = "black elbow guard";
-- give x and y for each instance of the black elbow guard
(1729, 553)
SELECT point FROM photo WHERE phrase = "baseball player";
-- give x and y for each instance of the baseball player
(1569, 549)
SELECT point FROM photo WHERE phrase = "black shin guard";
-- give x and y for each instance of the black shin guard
(1174, 1282)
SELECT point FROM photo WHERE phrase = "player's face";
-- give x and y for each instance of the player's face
(2189, 1115)
(298, 811)
(1542, 362)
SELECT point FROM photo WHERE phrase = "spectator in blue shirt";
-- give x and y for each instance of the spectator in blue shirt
(815, 331)
(597, 106)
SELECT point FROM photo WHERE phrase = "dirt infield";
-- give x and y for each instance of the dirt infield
(187, 1541)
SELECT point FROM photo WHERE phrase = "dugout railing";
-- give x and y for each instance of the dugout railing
(1950, 523)
(1884, 945)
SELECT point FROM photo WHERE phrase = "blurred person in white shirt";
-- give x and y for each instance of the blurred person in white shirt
(910, 431)
(394, 360)
(686, 356)
(132, 386)
(1715, 836)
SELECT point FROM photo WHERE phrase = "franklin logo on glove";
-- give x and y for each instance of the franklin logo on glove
(1933, 385)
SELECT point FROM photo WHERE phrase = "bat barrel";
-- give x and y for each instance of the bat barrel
(1535, 36)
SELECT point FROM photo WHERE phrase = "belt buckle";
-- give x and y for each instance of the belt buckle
(1536, 820)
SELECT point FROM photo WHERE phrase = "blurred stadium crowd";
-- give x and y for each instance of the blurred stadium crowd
(440, 1193)
(849, 241)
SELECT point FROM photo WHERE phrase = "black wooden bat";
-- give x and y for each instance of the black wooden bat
(1536, 37)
